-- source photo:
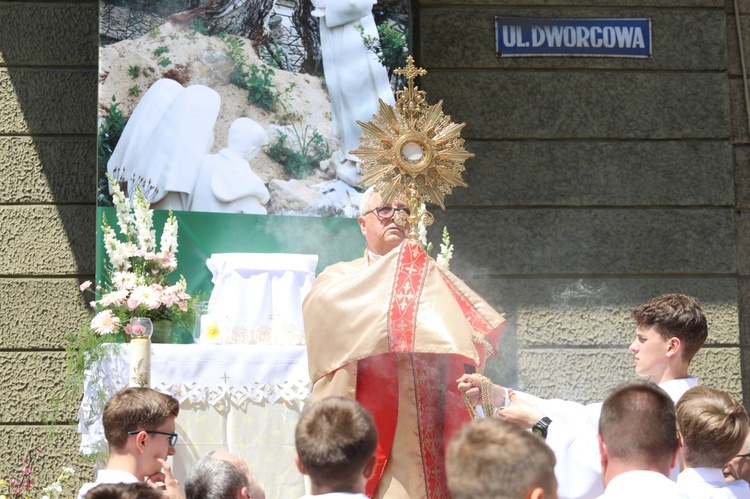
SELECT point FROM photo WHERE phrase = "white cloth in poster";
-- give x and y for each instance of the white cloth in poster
(257, 297)
(140, 126)
(168, 167)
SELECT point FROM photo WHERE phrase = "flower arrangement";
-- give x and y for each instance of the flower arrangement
(136, 275)
(446, 247)
(20, 486)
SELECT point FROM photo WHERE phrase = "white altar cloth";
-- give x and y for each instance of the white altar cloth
(242, 398)
(257, 297)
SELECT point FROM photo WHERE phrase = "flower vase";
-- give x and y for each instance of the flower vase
(162, 332)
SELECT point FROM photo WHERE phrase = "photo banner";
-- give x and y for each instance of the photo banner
(240, 115)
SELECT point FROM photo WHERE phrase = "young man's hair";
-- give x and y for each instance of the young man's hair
(135, 409)
(138, 490)
(336, 439)
(215, 479)
(713, 425)
(675, 315)
(637, 424)
(492, 459)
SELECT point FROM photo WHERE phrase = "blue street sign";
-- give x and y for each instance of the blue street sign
(529, 36)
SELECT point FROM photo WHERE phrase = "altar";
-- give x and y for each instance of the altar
(245, 399)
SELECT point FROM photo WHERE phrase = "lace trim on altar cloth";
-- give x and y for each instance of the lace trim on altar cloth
(207, 374)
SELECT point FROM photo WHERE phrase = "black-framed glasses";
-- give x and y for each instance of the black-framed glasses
(387, 212)
(172, 436)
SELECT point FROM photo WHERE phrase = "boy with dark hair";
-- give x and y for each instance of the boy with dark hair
(638, 442)
(139, 425)
(670, 329)
(492, 459)
(336, 441)
(712, 427)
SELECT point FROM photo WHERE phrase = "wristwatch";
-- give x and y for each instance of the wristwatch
(541, 427)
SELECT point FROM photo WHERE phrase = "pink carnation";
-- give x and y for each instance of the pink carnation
(132, 303)
(84, 286)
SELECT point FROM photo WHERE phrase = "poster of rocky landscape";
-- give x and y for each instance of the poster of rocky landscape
(243, 106)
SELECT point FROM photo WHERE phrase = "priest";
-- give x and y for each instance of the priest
(393, 330)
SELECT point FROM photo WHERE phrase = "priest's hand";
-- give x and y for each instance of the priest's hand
(471, 385)
(519, 412)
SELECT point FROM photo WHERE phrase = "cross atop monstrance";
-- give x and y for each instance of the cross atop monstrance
(412, 151)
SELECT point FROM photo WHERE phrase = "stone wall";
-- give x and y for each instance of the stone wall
(48, 60)
(598, 183)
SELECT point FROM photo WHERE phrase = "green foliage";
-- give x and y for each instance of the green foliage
(260, 87)
(255, 79)
(161, 50)
(83, 348)
(165, 61)
(300, 164)
(304, 152)
(389, 46)
(109, 134)
(134, 71)
(198, 26)
(134, 91)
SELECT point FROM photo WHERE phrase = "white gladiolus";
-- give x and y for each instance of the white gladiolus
(144, 223)
(168, 242)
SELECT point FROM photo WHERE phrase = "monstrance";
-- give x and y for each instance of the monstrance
(412, 151)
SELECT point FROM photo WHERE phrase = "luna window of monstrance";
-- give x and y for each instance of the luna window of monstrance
(412, 151)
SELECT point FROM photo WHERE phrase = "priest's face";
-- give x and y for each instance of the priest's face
(381, 233)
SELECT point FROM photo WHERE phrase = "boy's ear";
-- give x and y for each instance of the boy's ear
(140, 441)
(298, 462)
(676, 452)
(535, 493)
(673, 346)
(370, 467)
(603, 453)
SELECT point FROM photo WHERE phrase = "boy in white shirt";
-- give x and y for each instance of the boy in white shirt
(712, 427)
(670, 329)
(336, 441)
(139, 425)
(638, 442)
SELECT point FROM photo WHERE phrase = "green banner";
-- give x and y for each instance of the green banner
(200, 235)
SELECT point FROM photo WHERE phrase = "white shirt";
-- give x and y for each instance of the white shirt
(107, 476)
(336, 495)
(708, 483)
(572, 436)
(642, 484)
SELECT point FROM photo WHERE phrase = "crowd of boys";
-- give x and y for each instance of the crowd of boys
(673, 439)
